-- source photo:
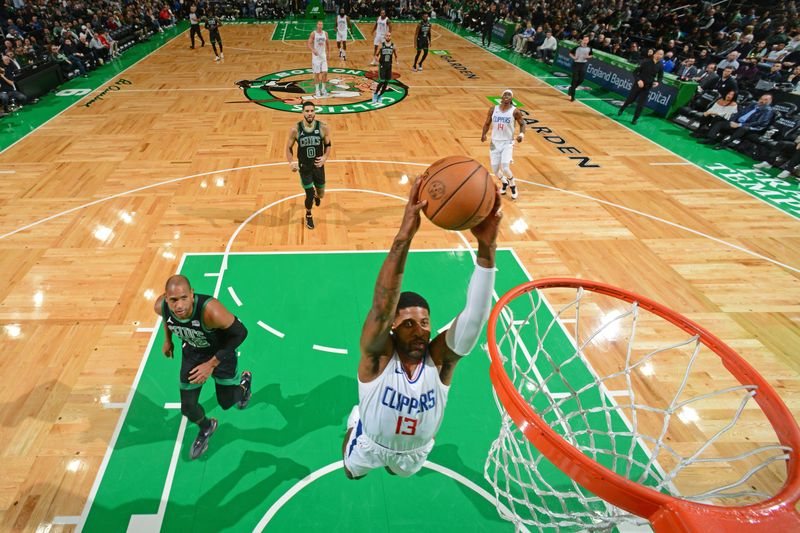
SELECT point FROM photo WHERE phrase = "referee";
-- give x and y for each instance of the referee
(194, 27)
(648, 75)
(580, 57)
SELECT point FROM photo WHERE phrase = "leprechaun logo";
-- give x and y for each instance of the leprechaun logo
(349, 91)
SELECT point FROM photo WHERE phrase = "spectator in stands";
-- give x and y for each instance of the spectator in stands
(747, 74)
(794, 77)
(521, 39)
(723, 109)
(703, 58)
(548, 47)
(8, 87)
(731, 60)
(759, 52)
(745, 45)
(668, 62)
(686, 70)
(726, 82)
(775, 74)
(779, 36)
(634, 55)
(68, 65)
(755, 118)
(790, 166)
(776, 55)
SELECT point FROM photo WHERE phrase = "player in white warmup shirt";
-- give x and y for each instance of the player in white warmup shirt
(342, 26)
(382, 26)
(403, 376)
(501, 119)
(319, 45)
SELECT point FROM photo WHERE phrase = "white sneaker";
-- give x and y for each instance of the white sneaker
(763, 164)
(221, 55)
(344, 57)
(785, 174)
(317, 95)
(505, 185)
(514, 192)
(413, 69)
(325, 93)
(217, 58)
(372, 63)
(419, 68)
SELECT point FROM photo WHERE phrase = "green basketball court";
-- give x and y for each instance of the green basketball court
(299, 29)
(276, 465)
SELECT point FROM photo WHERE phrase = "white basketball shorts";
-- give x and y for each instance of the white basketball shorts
(501, 152)
(319, 64)
(363, 455)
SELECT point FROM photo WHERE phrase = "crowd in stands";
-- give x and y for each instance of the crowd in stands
(735, 49)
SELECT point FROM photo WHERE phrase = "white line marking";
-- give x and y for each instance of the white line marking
(176, 180)
(66, 520)
(10, 172)
(670, 164)
(313, 476)
(618, 393)
(568, 320)
(235, 298)
(172, 405)
(211, 274)
(325, 252)
(113, 441)
(321, 348)
(271, 329)
(115, 405)
(140, 522)
(669, 223)
(145, 330)
(102, 85)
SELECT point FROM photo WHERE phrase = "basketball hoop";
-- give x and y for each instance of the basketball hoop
(577, 382)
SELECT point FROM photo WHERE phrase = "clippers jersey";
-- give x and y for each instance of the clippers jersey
(192, 331)
(320, 39)
(341, 25)
(402, 413)
(503, 124)
(383, 27)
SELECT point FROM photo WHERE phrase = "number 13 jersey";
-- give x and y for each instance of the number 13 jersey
(402, 413)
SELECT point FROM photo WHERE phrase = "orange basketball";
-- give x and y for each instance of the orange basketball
(459, 191)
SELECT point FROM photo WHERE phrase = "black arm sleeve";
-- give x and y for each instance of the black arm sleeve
(234, 336)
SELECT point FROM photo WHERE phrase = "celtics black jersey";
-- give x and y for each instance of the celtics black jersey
(192, 331)
(212, 24)
(309, 143)
(424, 35)
(385, 54)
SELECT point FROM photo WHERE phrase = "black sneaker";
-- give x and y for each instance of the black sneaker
(309, 221)
(505, 186)
(200, 444)
(247, 383)
(317, 200)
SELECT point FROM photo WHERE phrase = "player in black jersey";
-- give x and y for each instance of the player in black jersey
(313, 148)
(423, 39)
(386, 52)
(209, 336)
(212, 25)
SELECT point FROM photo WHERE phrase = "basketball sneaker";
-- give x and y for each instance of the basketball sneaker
(309, 221)
(325, 93)
(247, 385)
(217, 58)
(372, 63)
(505, 185)
(413, 69)
(317, 95)
(514, 192)
(221, 55)
(419, 68)
(344, 57)
(200, 444)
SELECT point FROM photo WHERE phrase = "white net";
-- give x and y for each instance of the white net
(632, 392)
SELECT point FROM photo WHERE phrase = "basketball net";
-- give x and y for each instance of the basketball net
(637, 403)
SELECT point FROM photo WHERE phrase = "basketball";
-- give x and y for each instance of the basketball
(459, 191)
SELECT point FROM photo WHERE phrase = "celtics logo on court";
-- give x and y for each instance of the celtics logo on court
(349, 90)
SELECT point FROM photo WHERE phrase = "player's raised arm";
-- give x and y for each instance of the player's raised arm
(448, 348)
(375, 332)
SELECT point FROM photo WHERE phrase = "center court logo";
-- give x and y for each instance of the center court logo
(350, 91)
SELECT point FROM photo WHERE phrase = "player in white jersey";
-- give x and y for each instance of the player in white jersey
(382, 26)
(403, 377)
(342, 25)
(501, 119)
(320, 46)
